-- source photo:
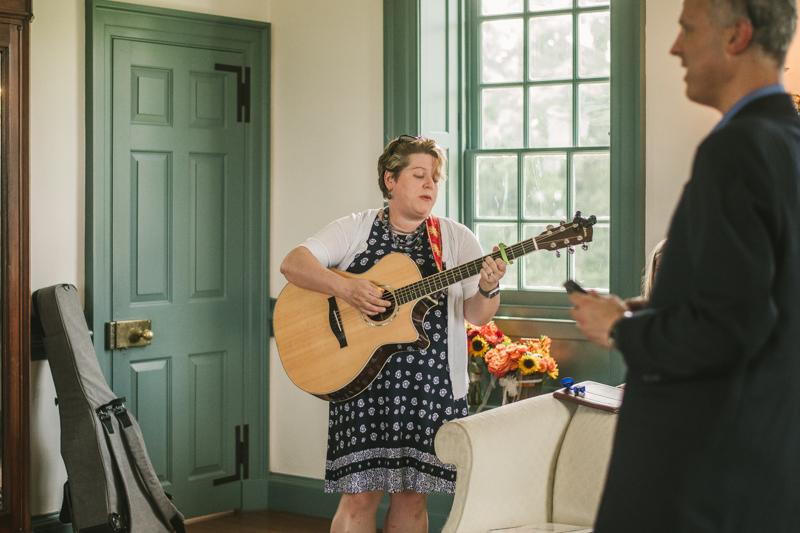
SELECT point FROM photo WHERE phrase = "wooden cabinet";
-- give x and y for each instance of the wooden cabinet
(15, 295)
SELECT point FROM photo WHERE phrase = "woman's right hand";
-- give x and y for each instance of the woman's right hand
(364, 296)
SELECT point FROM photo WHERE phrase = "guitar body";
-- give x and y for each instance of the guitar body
(329, 349)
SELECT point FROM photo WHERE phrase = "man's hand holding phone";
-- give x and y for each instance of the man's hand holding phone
(595, 315)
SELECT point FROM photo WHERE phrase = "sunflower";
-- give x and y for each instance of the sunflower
(478, 346)
(527, 364)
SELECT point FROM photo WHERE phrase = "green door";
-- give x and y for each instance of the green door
(177, 241)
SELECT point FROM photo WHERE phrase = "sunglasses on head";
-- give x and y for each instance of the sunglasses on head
(404, 139)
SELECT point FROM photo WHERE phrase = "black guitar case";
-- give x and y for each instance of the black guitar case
(111, 485)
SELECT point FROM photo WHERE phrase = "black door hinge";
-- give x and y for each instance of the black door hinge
(242, 457)
(243, 89)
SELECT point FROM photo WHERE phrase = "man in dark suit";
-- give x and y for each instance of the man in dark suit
(708, 438)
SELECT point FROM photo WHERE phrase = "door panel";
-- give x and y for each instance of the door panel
(150, 383)
(178, 259)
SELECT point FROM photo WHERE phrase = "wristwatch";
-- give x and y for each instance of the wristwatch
(491, 294)
(612, 335)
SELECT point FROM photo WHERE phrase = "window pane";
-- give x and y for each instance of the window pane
(542, 270)
(594, 36)
(501, 50)
(592, 183)
(550, 116)
(502, 117)
(590, 3)
(496, 193)
(501, 7)
(591, 266)
(550, 48)
(489, 235)
(545, 186)
(595, 114)
(548, 5)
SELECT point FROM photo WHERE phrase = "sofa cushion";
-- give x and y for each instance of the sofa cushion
(582, 466)
(505, 458)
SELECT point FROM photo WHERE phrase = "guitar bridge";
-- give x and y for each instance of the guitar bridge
(335, 320)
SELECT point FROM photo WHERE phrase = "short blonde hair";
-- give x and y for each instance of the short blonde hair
(396, 157)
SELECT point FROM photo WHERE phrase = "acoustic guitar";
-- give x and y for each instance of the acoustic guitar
(333, 351)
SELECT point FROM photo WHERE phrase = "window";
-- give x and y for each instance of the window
(539, 96)
(540, 106)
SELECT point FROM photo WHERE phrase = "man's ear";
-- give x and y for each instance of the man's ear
(740, 34)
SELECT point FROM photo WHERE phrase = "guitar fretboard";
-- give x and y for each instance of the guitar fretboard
(439, 281)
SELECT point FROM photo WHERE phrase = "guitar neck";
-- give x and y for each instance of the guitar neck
(439, 281)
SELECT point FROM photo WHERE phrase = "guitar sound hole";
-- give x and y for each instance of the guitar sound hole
(386, 315)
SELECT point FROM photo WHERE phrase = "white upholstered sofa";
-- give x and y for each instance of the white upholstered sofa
(532, 462)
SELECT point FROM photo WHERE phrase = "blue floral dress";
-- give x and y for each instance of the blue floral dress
(382, 439)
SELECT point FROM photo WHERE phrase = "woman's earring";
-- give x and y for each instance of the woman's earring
(389, 196)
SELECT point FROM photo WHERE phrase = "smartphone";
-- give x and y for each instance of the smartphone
(571, 287)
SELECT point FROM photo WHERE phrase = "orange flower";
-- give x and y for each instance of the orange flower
(552, 367)
(491, 333)
(545, 341)
(498, 361)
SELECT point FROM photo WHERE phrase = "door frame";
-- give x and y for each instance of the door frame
(105, 21)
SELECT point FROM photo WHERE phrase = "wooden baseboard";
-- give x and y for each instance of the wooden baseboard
(307, 496)
(49, 523)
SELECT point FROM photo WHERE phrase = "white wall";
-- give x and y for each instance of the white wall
(327, 129)
(675, 126)
(57, 167)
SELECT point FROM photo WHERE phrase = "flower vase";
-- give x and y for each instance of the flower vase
(474, 396)
(528, 386)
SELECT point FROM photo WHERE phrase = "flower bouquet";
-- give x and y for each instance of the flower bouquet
(480, 340)
(521, 368)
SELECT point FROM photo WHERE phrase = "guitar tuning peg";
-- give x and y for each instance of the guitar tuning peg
(550, 226)
(558, 253)
(584, 247)
(571, 250)
(563, 222)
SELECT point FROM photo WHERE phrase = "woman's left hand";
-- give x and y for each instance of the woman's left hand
(492, 271)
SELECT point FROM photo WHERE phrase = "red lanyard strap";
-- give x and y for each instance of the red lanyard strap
(435, 238)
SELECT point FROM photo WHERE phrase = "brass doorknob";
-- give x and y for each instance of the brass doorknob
(138, 334)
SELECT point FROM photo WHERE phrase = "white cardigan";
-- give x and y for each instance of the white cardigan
(337, 244)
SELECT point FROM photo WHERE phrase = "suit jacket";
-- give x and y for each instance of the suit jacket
(709, 433)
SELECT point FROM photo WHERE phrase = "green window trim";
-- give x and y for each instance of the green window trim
(401, 64)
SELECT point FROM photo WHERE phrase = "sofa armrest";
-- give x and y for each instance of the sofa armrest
(505, 461)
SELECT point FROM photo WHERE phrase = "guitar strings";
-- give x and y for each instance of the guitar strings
(431, 284)
(442, 279)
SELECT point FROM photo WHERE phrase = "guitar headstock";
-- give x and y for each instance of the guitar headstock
(567, 234)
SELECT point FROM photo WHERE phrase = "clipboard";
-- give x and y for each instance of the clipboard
(596, 395)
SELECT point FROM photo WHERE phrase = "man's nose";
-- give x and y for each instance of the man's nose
(676, 49)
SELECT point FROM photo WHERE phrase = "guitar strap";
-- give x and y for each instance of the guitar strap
(435, 238)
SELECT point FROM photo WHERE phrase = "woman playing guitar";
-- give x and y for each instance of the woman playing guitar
(382, 439)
